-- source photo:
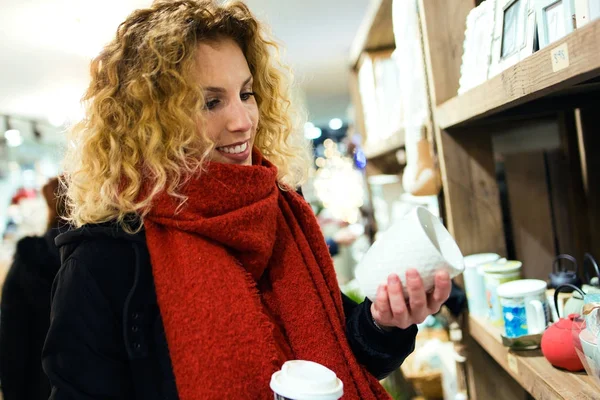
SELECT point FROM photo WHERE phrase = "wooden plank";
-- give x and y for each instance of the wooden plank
(559, 181)
(589, 145)
(529, 79)
(487, 379)
(471, 198)
(577, 206)
(471, 201)
(392, 144)
(530, 212)
(570, 208)
(533, 372)
(375, 31)
(443, 28)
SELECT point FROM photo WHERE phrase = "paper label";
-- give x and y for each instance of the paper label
(560, 57)
(512, 363)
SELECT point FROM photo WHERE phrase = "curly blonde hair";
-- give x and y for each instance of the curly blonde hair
(143, 107)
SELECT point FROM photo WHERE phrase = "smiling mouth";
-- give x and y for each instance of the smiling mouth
(235, 149)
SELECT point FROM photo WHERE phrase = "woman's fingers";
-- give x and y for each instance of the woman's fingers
(391, 309)
(382, 311)
(397, 302)
(417, 296)
(441, 291)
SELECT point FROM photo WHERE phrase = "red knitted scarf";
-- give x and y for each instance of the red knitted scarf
(244, 282)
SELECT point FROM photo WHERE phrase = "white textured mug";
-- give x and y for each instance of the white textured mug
(419, 241)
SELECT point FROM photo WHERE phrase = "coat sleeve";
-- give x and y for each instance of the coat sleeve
(84, 354)
(380, 352)
(14, 334)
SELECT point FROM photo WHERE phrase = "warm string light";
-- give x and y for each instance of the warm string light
(338, 184)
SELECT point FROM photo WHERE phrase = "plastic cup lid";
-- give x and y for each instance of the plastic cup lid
(474, 260)
(500, 268)
(306, 380)
(521, 287)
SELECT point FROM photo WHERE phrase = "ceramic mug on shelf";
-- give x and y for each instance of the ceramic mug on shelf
(495, 274)
(474, 282)
(524, 307)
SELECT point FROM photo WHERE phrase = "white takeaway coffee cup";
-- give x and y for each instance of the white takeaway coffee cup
(306, 380)
(420, 241)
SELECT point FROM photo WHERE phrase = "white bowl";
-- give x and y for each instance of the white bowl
(590, 350)
(419, 241)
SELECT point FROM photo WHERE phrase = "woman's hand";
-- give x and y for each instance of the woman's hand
(391, 310)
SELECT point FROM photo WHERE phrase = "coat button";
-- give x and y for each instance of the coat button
(137, 346)
(134, 328)
(135, 315)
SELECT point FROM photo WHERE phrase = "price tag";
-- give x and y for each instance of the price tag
(512, 363)
(560, 57)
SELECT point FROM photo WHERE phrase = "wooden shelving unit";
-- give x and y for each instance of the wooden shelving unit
(375, 32)
(531, 370)
(531, 79)
(506, 187)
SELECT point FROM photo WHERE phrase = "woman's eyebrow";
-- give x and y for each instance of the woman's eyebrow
(216, 89)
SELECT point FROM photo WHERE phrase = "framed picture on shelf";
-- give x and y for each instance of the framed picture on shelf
(555, 19)
(477, 46)
(514, 34)
(586, 11)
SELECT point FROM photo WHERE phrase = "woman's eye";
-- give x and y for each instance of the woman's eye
(209, 105)
(246, 96)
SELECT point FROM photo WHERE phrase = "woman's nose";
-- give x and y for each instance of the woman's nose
(239, 118)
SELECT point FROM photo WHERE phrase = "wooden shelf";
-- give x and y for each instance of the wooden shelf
(531, 370)
(393, 143)
(375, 32)
(531, 79)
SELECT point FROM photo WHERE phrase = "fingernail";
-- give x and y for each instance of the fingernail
(412, 274)
(393, 279)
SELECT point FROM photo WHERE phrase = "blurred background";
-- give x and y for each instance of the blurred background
(46, 48)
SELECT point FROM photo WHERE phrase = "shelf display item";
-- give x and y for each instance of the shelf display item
(421, 176)
(554, 20)
(514, 34)
(561, 275)
(557, 344)
(524, 307)
(379, 86)
(586, 11)
(495, 274)
(474, 283)
(419, 241)
(585, 342)
(477, 47)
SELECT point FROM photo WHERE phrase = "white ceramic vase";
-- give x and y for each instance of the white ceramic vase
(419, 241)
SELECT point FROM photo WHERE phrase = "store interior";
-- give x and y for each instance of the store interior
(482, 112)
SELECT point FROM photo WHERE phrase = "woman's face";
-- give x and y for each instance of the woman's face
(230, 110)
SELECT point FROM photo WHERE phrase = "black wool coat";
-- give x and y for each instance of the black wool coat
(106, 337)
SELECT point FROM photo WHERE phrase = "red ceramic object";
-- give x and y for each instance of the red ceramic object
(557, 345)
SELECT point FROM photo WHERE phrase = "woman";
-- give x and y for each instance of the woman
(25, 308)
(197, 270)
